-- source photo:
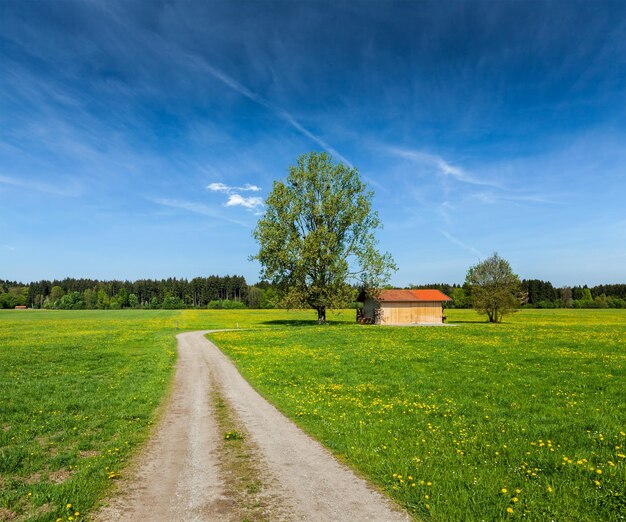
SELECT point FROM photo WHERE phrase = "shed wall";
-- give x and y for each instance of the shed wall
(410, 313)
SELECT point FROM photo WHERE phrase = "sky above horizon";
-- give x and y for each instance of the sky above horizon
(139, 139)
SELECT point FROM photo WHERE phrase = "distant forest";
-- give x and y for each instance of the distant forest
(542, 294)
(234, 292)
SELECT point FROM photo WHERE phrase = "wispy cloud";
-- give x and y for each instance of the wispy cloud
(459, 243)
(36, 186)
(10, 248)
(444, 167)
(296, 125)
(278, 111)
(444, 210)
(227, 189)
(196, 208)
(492, 197)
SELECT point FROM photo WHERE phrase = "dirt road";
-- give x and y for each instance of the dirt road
(185, 473)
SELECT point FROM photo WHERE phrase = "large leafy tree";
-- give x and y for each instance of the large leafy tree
(494, 287)
(316, 235)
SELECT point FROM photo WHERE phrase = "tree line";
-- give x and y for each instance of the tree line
(76, 294)
(535, 293)
(233, 292)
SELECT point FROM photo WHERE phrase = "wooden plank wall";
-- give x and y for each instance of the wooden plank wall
(410, 313)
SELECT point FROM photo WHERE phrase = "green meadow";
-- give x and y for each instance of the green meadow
(522, 420)
(79, 392)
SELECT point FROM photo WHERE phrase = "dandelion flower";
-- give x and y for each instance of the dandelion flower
(504, 490)
(515, 499)
(509, 510)
(599, 471)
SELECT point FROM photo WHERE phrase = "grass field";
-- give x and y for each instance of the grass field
(460, 423)
(523, 420)
(78, 393)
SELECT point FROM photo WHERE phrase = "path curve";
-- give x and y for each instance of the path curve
(178, 476)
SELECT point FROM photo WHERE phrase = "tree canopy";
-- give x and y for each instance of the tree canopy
(494, 287)
(317, 235)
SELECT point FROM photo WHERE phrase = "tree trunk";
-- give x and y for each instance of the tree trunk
(321, 314)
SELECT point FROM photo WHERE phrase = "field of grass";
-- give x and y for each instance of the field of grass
(522, 420)
(477, 421)
(78, 393)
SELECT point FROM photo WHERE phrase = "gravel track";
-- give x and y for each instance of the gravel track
(178, 477)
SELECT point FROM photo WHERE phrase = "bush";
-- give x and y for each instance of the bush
(226, 304)
(172, 303)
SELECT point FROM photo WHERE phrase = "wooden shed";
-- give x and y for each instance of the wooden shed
(402, 307)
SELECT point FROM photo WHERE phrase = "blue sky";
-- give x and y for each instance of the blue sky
(138, 139)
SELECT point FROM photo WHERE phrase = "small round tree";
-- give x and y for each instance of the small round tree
(316, 235)
(494, 287)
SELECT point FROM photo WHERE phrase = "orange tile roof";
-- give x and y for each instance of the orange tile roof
(412, 295)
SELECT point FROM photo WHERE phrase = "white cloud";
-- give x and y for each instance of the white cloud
(218, 187)
(226, 189)
(235, 200)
